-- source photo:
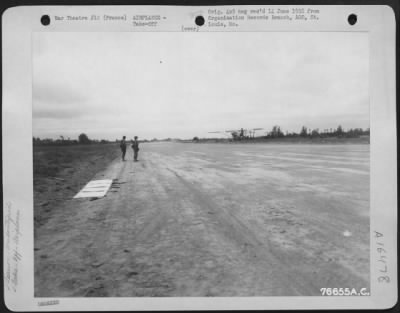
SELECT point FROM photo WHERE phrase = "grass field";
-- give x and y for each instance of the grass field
(59, 172)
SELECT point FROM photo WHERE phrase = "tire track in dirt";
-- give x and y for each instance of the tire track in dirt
(227, 227)
(162, 234)
(134, 216)
(107, 244)
(258, 253)
(75, 237)
(97, 231)
(263, 254)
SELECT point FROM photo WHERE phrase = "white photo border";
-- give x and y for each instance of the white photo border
(19, 23)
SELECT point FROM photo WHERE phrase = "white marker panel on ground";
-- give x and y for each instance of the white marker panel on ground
(95, 189)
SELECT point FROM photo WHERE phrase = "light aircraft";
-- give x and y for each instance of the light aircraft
(238, 134)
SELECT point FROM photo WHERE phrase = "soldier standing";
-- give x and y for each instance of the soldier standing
(122, 145)
(135, 147)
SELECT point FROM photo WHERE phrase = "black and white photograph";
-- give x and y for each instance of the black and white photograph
(202, 163)
(242, 171)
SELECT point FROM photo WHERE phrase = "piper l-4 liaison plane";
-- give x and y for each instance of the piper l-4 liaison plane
(239, 134)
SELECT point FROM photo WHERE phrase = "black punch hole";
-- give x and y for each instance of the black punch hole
(199, 20)
(352, 19)
(45, 20)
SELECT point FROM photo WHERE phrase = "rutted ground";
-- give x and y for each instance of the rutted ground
(214, 220)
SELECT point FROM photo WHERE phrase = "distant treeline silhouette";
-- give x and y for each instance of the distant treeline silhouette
(316, 132)
(83, 139)
(275, 132)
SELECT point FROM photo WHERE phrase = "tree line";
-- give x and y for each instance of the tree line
(276, 132)
(83, 139)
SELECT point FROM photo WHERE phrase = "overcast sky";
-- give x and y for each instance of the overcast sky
(188, 84)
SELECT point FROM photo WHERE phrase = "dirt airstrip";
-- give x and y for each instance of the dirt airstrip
(212, 220)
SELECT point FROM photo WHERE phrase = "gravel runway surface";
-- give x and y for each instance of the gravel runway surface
(214, 220)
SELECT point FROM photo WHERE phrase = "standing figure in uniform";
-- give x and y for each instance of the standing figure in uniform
(135, 147)
(122, 145)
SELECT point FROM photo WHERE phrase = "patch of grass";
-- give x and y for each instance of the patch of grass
(59, 172)
(49, 161)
